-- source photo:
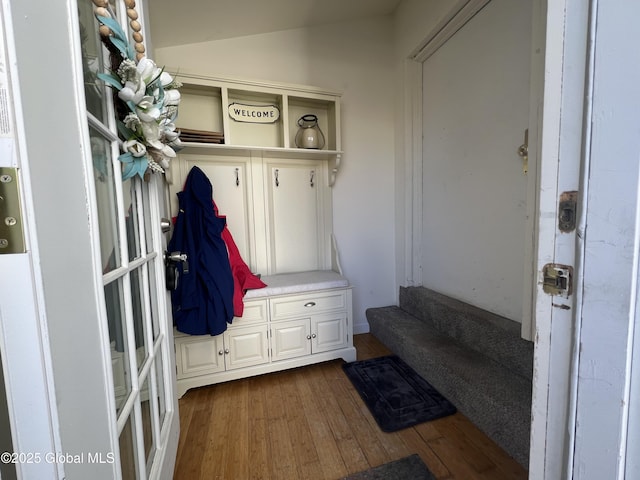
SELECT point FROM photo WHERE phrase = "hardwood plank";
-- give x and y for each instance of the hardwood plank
(311, 423)
(417, 445)
(509, 468)
(195, 441)
(218, 434)
(259, 456)
(448, 454)
(283, 464)
(330, 459)
(237, 461)
(352, 455)
(299, 431)
(364, 433)
(467, 450)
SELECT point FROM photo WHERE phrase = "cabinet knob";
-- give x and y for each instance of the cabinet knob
(310, 304)
(308, 337)
(226, 351)
(220, 352)
(313, 335)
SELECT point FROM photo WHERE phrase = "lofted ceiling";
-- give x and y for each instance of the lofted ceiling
(194, 21)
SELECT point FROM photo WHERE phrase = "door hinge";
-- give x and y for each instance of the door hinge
(557, 279)
(11, 227)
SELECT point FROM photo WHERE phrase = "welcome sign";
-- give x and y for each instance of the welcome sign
(254, 113)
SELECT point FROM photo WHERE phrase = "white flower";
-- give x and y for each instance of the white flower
(166, 79)
(132, 121)
(128, 71)
(132, 92)
(171, 98)
(136, 148)
(147, 70)
(151, 132)
(147, 110)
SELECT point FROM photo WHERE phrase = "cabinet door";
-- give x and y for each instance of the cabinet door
(291, 339)
(328, 332)
(199, 355)
(230, 178)
(245, 347)
(295, 222)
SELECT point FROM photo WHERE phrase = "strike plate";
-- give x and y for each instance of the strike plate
(557, 279)
(11, 226)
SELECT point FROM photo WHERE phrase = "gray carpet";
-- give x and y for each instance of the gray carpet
(408, 468)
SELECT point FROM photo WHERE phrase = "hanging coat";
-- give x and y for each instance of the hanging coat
(203, 299)
(243, 278)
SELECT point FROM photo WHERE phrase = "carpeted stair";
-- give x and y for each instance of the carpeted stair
(473, 357)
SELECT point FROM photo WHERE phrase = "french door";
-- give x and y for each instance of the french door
(135, 314)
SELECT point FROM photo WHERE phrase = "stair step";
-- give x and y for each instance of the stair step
(490, 334)
(494, 398)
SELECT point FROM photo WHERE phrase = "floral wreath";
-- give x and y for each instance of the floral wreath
(146, 104)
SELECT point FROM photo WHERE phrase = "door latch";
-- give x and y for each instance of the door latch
(523, 152)
(557, 279)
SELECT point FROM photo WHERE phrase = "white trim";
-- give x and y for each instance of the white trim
(413, 172)
(533, 180)
(458, 16)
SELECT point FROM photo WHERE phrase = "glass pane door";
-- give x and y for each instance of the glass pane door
(131, 245)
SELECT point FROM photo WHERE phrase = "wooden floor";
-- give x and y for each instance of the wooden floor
(310, 423)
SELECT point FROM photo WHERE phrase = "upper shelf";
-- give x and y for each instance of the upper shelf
(255, 116)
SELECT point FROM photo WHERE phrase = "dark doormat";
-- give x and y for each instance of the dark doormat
(395, 394)
(408, 468)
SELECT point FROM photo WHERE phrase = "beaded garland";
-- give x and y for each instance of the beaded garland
(100, 9)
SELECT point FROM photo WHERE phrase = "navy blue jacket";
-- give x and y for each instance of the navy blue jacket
(203, 299)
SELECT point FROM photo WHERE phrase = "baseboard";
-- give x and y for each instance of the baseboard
(361, 328)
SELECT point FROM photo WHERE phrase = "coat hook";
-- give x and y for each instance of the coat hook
(311, 175)
(237, 177)
(276, 171)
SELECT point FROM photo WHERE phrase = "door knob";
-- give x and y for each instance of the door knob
(171, 272)
(165, 225)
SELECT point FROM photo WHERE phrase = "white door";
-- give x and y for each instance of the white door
(294, 220)
(230, 179)
(131, 257)
(84, 333)
(475, 113)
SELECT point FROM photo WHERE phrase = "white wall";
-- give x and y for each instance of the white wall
(356, 59)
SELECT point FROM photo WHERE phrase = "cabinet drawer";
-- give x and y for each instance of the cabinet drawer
(307, 304)
(255, 311)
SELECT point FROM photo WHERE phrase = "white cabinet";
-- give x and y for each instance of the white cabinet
(280, 329)
(307, 324)
(295, 338)
(244, 344)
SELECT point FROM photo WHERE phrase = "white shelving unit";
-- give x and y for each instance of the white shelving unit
(277, 200)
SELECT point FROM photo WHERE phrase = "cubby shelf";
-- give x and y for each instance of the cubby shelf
(205, 107)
